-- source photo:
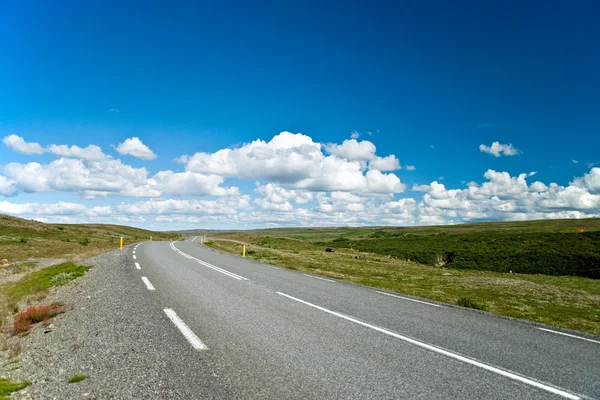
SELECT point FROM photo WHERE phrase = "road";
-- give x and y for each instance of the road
(267, 332)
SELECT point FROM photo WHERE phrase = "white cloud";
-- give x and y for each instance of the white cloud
(298, 182)
(389, 163)
(18, 144)
(410, 168)
(500, 197)
(496, 149)
(352, 150)
(7, 187)
(276, 194)
(420, 188)
(182, 159)
(575, 161)
(354, 135)
(74, 175)
(296, 162)
(134, 147)
(590, 181)
(191, 184)
(270, 206)
(92, 152)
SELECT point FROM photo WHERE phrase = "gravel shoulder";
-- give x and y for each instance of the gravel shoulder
(118, 335)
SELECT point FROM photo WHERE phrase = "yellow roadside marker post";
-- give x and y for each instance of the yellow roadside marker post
(121, 245)
(244, 251)
(150, 238)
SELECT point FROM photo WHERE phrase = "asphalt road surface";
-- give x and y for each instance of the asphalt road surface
(267, 332)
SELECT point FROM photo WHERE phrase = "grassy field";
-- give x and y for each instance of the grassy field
(22, 239)
(558, 247)
(566, 301)
(24, 244)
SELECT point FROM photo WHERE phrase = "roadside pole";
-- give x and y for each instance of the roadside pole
(121, 245)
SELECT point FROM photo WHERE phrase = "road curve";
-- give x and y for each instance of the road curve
(268, 332)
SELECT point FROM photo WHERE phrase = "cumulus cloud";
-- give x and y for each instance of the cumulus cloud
(298, 182)
(500, 196)
(276, 194)
(389, 163)
(420, 188)
(191, 184)
(7, 187)
(92, 152)
(107, 177)
(589, 181)
(296, 162)
(354, 135)
(497, 149)
(73, 175)
(19, 145)
(134, 147)
(352, 150)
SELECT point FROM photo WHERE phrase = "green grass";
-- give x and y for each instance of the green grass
(566, 301)
(23, 239)
(36, 285)
(549, 247)
(77, 378)
(470, 303)
(7, 387)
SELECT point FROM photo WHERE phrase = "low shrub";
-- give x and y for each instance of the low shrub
(32, 315)
(470, 303)
(61, 278)
(548, 253)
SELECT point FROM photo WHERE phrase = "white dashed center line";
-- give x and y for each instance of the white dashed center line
(147, 283)
(221, 270)
(185, 330)
(138, 266)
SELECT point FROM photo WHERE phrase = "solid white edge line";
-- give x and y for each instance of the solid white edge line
(185, 330)
(221, 270)
(447, 353)
(147, 283)
(409, 299)
(138, 266)
(569, 335)
(318, 277)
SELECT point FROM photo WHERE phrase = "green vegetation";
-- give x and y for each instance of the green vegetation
(7, 387)
(559, 253)
(35, 286)
(566, 301)
(22, 239)
(62, 278)
(77, 378)
(469, 303)
(24, 320)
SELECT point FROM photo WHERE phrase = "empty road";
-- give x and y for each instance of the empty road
(267, 332)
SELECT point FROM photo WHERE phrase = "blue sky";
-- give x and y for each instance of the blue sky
(430, 81)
